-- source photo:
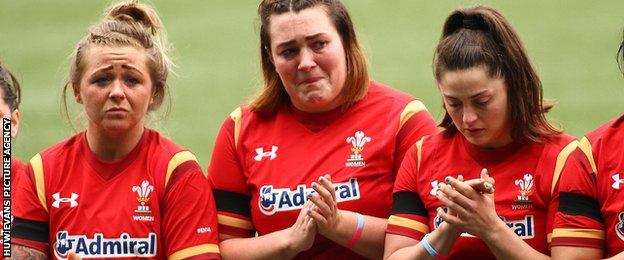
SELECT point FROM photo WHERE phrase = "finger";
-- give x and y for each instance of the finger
(451, 204)
(485, 174)
(449, 218)
(461, 187)
(480, 185)
(323, 192)
(325, 180)
(318, 218)
(320, 204)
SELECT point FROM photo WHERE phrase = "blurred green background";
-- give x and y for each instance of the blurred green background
(572, 44)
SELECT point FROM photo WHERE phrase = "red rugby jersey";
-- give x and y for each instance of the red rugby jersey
(592, 206)
(262, 167)
(526, 178)
(153, 203)
(17, 168)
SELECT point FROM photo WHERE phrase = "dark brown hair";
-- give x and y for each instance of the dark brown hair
(127, 24)
(620, 55)
(273, 94)
(481, 36)
(11, 90)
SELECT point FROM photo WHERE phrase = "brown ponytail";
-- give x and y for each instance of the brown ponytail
(11, 90)
(481, 36)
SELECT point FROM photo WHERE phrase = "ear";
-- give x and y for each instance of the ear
(76, 89)
(268, 53)
(15, 123)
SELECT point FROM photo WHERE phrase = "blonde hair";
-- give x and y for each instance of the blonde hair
(127, 23)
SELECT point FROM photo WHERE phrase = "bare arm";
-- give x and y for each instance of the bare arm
(401, 247)
(24, 252)
(283, 244)
(573, 253)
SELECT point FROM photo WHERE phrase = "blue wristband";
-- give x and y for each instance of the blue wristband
(428, 247)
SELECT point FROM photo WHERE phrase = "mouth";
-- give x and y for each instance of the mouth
(116, 110)
(473, 131)
(310, 80)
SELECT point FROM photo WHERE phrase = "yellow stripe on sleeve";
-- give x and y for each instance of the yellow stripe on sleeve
(419, 151)
(577, 232)
(195, 250)
(37, 164)
(408, 223)
(586, 147)
(561, 159)
(234, 222)
(412, 108)
(236, 115)
(176, 160)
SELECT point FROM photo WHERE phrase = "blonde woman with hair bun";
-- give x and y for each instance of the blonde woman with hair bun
(116, 189)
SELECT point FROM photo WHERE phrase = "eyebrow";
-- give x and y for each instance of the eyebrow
(293, 41)
(124, 66)
(472, 96)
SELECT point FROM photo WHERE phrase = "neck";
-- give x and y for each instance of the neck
(113, 146)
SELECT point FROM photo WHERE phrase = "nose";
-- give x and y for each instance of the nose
(117, 91)
(306, 61)
(469, 116)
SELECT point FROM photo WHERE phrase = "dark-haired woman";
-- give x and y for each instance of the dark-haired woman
(497, 138)
(590, 221)
(317, 151)
(10, 97)
(117, 189)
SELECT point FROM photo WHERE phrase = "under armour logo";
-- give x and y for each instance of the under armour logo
(434, 188)
(261, 153)
(616, 181)
(71, 200)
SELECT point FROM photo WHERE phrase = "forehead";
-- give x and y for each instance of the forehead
(468, 82)
(289, 26)
(102, 56)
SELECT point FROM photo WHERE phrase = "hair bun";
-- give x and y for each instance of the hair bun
(132, 11)
(461, 20)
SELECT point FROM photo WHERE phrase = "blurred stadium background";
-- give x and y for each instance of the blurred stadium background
(572, 43)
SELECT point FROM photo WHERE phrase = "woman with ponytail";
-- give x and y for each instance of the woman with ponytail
(486, 187)
(117, 189)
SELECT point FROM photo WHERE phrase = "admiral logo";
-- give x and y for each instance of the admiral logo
(101, 247)
(523, 228)
(616, 181)
(273, 200)
(619, 227)
(271, 154)
(357, 146)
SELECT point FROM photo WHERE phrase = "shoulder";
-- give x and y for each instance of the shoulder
(611, 129)
(378, 91)
(57, 151)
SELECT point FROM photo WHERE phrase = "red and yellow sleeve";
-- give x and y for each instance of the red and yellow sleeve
(31, 219)
(189, 214)
(578, 220)
(415, 123)
(228, 181)
(409, 216)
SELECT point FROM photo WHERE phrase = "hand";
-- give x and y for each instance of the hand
(326, 214)
(484, 184)
(474, 211)
(73, 256)
(301, 234)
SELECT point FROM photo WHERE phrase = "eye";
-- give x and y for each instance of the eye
(482, 102)
(289, 53)
(131, 81)
(101, 81)
(319, 45)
